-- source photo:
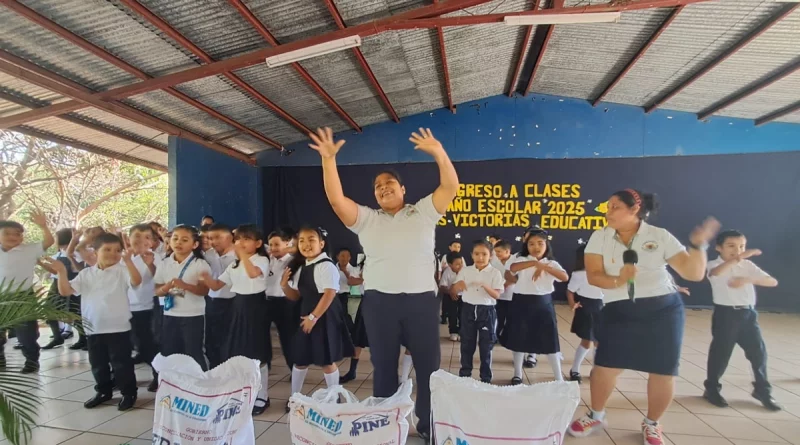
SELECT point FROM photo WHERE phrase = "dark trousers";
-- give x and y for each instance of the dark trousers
(344, 298)
(114, 349)
(218, 325)
(27, 335)
(502, 314)
(285, 313)
(142, 335)
(184, 335)
(478, 324)
(158, 322)
(730, 327)
(452, 312)
(411, 319)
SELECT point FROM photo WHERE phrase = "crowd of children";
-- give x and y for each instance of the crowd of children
(213, 293)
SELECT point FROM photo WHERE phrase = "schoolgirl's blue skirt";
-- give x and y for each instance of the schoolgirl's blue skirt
(643, 335)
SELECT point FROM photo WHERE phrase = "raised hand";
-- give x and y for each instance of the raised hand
(148, 257)
(704, 233)
(425, 141)
(39, 218)
(324, 143)
(127, 255)
(749, 253)
(55, 265)
(287, 275)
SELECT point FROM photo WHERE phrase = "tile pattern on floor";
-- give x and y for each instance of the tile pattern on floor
(65, 382)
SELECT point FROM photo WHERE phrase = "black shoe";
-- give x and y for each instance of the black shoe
(53, 344)
(30, 367)
(126, 403)
(529, 363)
(97, 400)
(347, 378)
(138, 359)
(259, 410)
(489, 381)
(575, 377)
(153, 386)
(287, 406)
(18, 346)
(444, 321)
(85, 348)
(78, 345)
(715, 398)
(424, 434)
(516, 381)
(67, 335)
(768, 402)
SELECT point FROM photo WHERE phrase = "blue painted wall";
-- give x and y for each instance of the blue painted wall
(548, 127)
(204, 182)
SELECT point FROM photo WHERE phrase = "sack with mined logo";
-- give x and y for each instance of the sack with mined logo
(468, 412)
(211, 407)
(323, 420)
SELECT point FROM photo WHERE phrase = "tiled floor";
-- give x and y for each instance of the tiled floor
(66, 383)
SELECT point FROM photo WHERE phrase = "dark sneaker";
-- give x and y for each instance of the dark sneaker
(78, 345)
(126, 403)
(30, 367)
(768, 402)
(97, 400)
(53, 344)
(715, 398)
(287, 406)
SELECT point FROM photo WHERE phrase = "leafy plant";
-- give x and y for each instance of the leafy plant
(18, 406)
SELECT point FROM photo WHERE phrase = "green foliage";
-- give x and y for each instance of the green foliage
(18, 405)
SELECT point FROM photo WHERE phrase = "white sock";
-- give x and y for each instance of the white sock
(263, 393)
(407, 362)
(555, 363)
(518, 358)
(332, 379)
(298, 377)
(650, 422)
(598, 415)
(532, 357)
(580, 355)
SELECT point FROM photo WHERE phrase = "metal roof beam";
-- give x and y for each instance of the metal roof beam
(760, 29)
(639, 54)
(557, 5)
(255, 23)
(68, 35)
(363, 62)
(167, 29)
(445, 70)
(751, 89)
(778, 114)
(86, 147)
(258, 56)
(32, 73)
(28, 103)
(522, 51)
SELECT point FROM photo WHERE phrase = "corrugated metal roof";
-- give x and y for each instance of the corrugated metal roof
(581, 60)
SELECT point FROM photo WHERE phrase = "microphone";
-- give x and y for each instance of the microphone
(630, 257)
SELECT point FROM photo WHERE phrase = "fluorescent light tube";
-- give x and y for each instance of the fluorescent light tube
(313, 51)
(561, 19)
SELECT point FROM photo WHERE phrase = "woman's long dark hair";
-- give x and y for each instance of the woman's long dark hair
(250, 231)
(539, 233)
(298, 260)
(197, 251)
(579, 258)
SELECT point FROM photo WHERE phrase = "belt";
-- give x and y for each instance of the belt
(736, 308)
(275, 298)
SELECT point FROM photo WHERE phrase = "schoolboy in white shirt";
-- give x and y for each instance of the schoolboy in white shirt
(17, 264)
(219, 308)
(480, 286)
(733, 279)
(451, 301)
(142, 239)
(106, 308)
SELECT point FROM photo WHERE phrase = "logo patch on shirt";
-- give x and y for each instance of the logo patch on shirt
(649, 246)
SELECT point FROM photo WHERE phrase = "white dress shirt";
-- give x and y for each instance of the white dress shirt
(190, 305)
(473, 278)
(579, 284)
(104, 298)
(508, 292)
(326, 275)
(141, 298)
(276, 268)
(723, 294)
(654, 246)
(399, 248)
(241, 283)
(225, 260)
(344, 286)
(543, 285)
(19, 263)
